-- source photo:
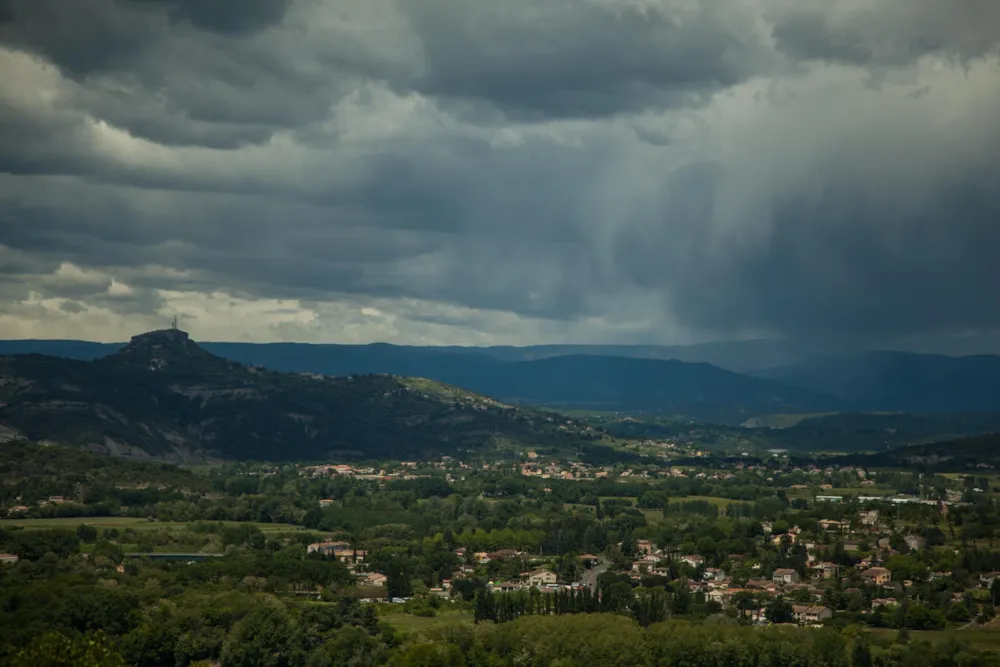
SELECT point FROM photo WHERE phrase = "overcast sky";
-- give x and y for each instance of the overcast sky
(473, 172)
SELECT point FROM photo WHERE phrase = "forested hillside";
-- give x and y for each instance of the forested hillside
(163, 396)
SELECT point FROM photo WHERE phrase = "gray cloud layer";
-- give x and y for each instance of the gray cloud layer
(649, 169)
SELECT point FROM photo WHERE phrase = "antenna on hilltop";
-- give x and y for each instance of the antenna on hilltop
(174, 325)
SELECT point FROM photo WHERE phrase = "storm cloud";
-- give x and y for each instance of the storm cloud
(527, 171)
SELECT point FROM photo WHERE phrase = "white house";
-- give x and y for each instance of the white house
(541, 578)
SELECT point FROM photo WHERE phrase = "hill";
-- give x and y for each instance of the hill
(34, 471)
(900, 381)
(843, 432)
(976, 454)
(163, 396)
(583, 381)
(699, 391)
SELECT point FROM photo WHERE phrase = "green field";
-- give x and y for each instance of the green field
(983, 640)
(719, 502)
(656, 516)
(409, 623)
(122, 522)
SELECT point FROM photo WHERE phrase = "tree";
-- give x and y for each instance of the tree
(58, 650)
(261, 639)
(779, 611)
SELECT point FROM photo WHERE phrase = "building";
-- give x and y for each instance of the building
(375, 579)
(693, 560)
(987, 578)
(869, 518)
(325, 502)
(784, 575)
(643, 547)
(877, 576)
(541, 578)
(810, 613)
(17, 509)
(915, 542)
(724, 595)
(505, 586)
(8, 559)
(338, 549)
(327, 548)
(827, 570)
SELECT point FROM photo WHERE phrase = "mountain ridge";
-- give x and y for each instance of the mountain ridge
(164, 397)
(873, 381)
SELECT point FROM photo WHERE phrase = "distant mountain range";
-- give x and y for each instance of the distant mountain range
(334, 359)
(164, 396)
(641, 378)
(578, 381)
(900, 381)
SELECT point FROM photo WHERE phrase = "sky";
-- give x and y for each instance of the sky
(516, 172)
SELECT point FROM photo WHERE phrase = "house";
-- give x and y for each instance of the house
(811, 613)
(827, 570)
(8, 559)
(869, 518)
(723, 595)
(328, 548)
(375, 579)
(650, 561)
(643, 547)
(761, 584)
(832, 524)
(915, 542)
(505, 586)
(325, 502)
(784, 575)
(17, 509)
(713, 574)
(883, 602)
(987, 578)
(693, 560)
(540, 578)
(877, 576)
(339, 550)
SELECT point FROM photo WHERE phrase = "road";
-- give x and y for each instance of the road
(589, 577)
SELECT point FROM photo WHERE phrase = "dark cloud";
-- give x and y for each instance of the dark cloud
(553, 58)
(78, 37)
(892, 32)
(223, 16)
(647, 167)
